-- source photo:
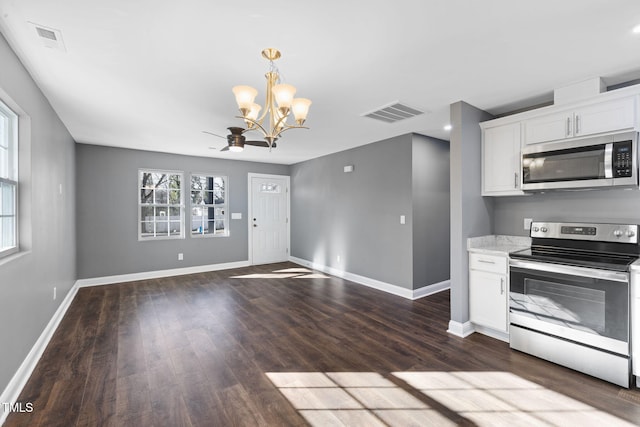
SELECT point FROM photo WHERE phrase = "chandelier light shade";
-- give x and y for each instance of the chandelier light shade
(279, 103)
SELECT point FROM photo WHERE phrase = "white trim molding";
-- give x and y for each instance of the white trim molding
(461, 330)
(121, 278)
(376, 284)
(20, 378)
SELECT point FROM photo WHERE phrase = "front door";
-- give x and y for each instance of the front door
(268, 218)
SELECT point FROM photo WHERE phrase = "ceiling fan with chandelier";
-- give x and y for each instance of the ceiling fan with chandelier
(278, 105)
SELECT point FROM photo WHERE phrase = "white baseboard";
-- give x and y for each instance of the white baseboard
(502, 336)
(461, 330)
(431, 289)
(373, 283)
(20, 378)
(121, 278)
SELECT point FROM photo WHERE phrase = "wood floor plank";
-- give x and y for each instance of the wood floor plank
(197, 350)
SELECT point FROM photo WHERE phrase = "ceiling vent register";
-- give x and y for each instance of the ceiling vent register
(393, 113)
(49, 37)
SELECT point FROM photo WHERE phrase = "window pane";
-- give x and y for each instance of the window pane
(174, 197)
(147, 229)
(208, 197)
(7, 199)
(161, 213)
(161, 197)
(219, 227)
(7, 232)
(219, 213)
(174, 181)
(4, 162)
(175, 214)
(146, 213)
(196, 197)
(146, 196)
(176, 229)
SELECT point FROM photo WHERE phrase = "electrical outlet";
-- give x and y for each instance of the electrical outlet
(527, 223)
(403, 219)
(180, 256)
(338, 258)
(55, 294)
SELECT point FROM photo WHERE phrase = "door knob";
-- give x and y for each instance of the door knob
(255, 225)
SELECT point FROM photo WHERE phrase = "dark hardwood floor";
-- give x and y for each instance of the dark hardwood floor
(275, 345)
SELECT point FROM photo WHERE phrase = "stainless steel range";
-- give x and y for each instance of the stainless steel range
(569, 297)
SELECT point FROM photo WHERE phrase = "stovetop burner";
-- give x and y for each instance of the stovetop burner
(603, 246)
(606, 261)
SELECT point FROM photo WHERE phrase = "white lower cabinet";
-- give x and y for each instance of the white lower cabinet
(488, 291)
(635, 325)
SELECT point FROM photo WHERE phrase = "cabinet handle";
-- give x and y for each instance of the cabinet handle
(577, 125)
(515, 180)
(486, 262)
(502, 286)
(568, 126)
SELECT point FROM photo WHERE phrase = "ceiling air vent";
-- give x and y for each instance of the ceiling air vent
(49, 37)
(393, 113)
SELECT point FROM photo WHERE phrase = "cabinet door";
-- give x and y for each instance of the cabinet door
(635, 322)
(488, 299)
(501, 160)
(550, 127)
(607, 116)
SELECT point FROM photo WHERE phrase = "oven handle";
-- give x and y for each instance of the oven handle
(571, 270)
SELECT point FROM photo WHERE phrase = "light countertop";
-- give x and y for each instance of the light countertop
(497, 244)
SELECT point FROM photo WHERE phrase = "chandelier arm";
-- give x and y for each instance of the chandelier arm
(255, 123)
(288, 128)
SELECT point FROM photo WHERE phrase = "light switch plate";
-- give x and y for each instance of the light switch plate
(527, 223)
(236, 215)
(403, 219)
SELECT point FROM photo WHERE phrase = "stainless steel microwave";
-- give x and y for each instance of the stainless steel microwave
(604, 161)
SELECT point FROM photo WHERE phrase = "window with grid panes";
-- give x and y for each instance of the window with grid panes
(161, 205)
(209, 216)
(8, 181)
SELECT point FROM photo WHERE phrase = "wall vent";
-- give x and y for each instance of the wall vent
(393, 112)
(49, 37)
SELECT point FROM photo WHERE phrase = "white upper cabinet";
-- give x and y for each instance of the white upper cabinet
(600, 117)
(501, 160)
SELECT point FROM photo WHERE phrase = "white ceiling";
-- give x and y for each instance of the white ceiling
(153, 74)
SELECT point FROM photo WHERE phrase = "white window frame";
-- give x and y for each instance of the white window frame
(224, 206)
(167, 205)
(10, 177)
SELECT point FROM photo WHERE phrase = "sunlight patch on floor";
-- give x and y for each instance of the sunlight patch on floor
(483, 398)
(287, 273)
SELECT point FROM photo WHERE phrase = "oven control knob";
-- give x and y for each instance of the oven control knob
(536, 229)
(544, 229)
(617, 233)
(630, 233)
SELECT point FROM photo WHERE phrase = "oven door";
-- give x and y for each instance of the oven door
(584, 305)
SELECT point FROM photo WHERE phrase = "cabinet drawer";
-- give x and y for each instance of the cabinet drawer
(490, 263)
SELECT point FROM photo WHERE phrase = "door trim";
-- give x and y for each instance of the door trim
(250, 177)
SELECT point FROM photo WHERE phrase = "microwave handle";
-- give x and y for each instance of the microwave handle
(608, 160)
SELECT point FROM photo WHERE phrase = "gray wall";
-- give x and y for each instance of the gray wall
(47, 222)
(617, 206)
(107, 203)
(357, 215)
(471, 214)
(431, 209)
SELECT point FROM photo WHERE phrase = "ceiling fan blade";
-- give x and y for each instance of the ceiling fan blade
(257, 143)
(214, 134)
(225, 148)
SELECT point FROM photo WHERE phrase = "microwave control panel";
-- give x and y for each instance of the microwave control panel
(622, 159)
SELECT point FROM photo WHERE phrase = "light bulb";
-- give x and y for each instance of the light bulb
(244, 96)
(300, 108)
(284, 95)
